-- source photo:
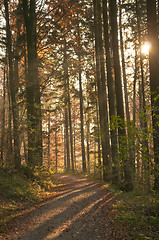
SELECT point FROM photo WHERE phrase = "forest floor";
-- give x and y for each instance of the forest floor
(73, 207)
(78, 209)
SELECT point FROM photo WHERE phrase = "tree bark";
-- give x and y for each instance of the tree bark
(81, 98)
(102, 98)
(12, 89)
(111, 98)
(66, 114)
(154, 81)
(128, 180)
(3, 118)
(33, 88)
(145, 146)
(69, 103)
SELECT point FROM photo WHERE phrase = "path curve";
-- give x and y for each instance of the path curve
(79, 210)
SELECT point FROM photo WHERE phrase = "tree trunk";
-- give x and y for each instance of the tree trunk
(66, 114)
(48, 139)
(154, 81)
(56, 150)
(111, 98)
(3, 118)
(145, 146)
(12, 89)
(81, 118)
(69, 104)
(128, 180)
(102, 98)
(88, 138)
(33, 88)
(134, 108)
(65, 147)
(130, 136)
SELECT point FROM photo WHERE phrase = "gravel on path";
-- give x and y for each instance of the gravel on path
(80, 209)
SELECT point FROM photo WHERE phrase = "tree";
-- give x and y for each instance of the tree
(12, 89)
(102, 98)
(154, 81)
(111, 98)
(33, 94)
(128, 181)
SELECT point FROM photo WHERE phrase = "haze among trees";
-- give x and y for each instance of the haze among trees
(79, 89)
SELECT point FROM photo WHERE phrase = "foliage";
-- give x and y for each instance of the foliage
(139, 211)
(18, 193)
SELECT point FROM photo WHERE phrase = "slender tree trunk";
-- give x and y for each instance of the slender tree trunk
(12, 89)
(3, 118)
(145, 154)
(141, 127)
(74, 139)
(84, 167)
(33, 88)
(130, 135)
(134, 107)
(9, 155)
(102, 98)
(81, 118)
(154, 81)
(65, 147)
(111, 98)
(66, 116)
(88, 138)
(119, 97)
(123, 66)
(48, 140)
(56, 150)
(99, 138)
(70, 125)
(69, 104)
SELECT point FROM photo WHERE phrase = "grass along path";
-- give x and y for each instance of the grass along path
(73, 207)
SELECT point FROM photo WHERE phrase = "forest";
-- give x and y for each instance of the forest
(79, 88)
(79, 94)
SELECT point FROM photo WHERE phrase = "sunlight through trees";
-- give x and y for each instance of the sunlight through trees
(79, 88)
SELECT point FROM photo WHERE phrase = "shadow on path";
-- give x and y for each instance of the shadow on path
(79, 211)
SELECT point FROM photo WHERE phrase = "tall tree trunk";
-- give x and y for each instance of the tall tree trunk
(111, 98)
(88, 138)
(9, 155)
(69, 103)
(134, 87)
(145, 148)
(123, 65)
(81, 117)
(33, 88)
(154, 81)
(3, 118)
(74, 139)
(66, 114)
(99, 138)
(56, 150)
(65, 147)
(12, 89)
(130, 136)
(48, 138)
(102, 98)
(128, 180)
(134, 107)
(79, 49)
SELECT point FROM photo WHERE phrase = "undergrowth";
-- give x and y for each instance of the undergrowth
(18, 193)
(139, 211)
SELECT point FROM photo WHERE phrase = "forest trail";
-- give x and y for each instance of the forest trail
(80, 209)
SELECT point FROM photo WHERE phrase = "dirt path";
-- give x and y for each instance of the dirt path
(80, 209)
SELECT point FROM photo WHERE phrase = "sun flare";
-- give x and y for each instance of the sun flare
(145, 48)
